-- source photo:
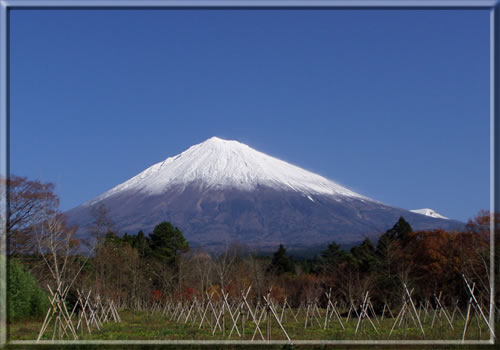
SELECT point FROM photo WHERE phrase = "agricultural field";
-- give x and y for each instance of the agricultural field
(155, 326)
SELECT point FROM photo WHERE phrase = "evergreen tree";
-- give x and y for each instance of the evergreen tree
(281, 262)
(332, 256)
(111, 238)
(167, 243)
(364, 256)
(383, 246)
(142, 244)
(390, 243)
(128, 239)
(400, 230)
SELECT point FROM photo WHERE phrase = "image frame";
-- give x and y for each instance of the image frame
(7, 6)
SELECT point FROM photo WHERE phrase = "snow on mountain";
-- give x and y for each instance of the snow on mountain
(429, 212)
(224, 191)
(217, 164)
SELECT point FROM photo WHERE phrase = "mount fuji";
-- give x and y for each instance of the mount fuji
(221, 191)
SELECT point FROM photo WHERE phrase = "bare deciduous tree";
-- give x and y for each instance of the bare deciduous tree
(224, 264)
(56, 245)
(27, 200)
(102, 223)
(197, 270)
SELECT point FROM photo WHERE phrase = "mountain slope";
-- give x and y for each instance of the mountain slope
(221, 191)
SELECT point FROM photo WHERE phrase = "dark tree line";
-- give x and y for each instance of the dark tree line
(429, 261)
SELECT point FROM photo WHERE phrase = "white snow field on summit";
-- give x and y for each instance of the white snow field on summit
(219, 163)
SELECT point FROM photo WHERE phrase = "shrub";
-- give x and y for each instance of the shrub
(25, 298)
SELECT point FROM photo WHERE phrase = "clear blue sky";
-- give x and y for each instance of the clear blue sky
(392, 104)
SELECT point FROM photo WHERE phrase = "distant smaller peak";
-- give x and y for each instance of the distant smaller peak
(428, 212)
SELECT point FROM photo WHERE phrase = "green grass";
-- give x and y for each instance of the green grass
(143, 326)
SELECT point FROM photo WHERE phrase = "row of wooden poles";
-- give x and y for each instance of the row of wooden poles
(230, 316)
(89, 312)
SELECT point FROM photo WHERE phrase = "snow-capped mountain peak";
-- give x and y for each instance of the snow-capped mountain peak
(220, 191)
(218, 163)
(429, 212)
